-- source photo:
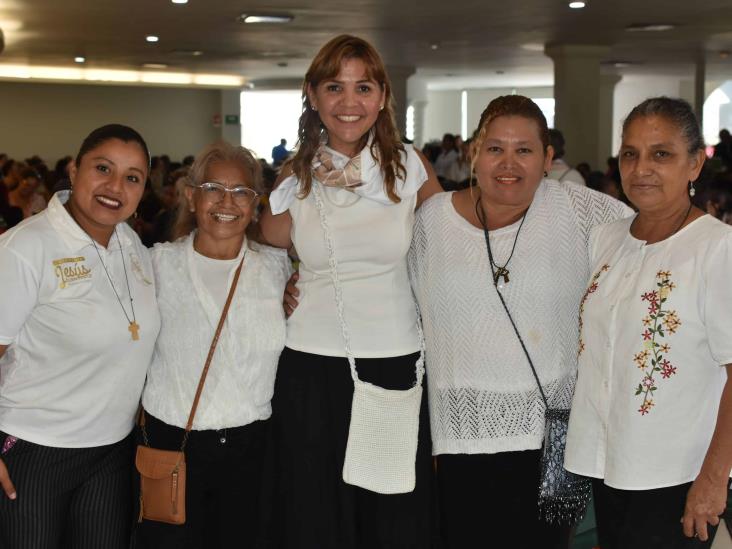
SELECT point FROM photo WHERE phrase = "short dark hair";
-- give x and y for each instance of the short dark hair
(556, 140)
(676, 111)
(25, 173)
(111, 131)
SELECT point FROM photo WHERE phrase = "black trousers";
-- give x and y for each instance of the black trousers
(78, 498)
(223, 486)
(643, 519)
(489, 501)
(313, 508)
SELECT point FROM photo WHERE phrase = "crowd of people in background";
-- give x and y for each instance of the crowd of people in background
(29, 184)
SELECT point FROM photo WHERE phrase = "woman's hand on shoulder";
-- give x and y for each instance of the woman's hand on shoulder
(274, 230)
(432, 185)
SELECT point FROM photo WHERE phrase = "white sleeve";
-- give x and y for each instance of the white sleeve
(717, 313)
(18, 294)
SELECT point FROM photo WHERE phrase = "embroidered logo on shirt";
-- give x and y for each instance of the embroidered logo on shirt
(658, 323)
(70, 270)
(137, 269)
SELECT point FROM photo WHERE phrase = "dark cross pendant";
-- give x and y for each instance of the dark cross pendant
(501, 272)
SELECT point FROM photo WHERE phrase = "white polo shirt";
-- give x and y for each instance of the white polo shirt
(72, 376)
(656, 330)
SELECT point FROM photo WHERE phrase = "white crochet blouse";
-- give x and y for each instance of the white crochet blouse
(483, 398)
(240, 381)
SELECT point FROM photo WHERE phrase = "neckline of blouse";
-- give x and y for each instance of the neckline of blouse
(644, 244)
(462, 223)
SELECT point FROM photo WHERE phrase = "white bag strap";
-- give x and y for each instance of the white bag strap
(419, 365)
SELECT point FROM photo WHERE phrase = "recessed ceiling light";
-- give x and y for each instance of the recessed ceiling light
(155, 66)
(532, 46)
(649, 27)
(79, 59)
(434, 46)
(577, 5)
(151, 38)
(179, 1)
(265, 18)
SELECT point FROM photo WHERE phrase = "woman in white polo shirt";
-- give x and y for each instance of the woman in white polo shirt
(225, 448)
(77, 332)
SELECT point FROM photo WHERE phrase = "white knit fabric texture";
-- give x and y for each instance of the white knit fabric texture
(240, 381)
(483, 397)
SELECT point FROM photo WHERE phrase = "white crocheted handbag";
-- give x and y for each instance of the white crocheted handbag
(383, 433)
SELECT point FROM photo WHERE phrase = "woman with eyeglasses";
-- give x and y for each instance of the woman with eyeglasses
(193, 277)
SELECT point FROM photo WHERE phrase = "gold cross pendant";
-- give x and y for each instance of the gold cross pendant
(134, 329)
(501, 272)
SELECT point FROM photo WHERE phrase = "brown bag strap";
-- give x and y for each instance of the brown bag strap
(215, 341)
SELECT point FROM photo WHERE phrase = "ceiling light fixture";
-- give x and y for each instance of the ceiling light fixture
(79, 59)
(577, 5)
(266, 18)
(649, 27)
(434, 46)
(155, 66)
(179, 1)
(151, 38)
(13, 72)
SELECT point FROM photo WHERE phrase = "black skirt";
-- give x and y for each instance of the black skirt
(312, 507)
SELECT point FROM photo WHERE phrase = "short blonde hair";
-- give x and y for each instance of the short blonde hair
(218, 151)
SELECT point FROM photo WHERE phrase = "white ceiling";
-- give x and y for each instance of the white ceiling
(481, 43)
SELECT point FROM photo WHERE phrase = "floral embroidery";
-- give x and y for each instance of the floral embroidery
(590, 290)
(659, 322)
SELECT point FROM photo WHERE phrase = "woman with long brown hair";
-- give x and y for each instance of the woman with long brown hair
(347, 202)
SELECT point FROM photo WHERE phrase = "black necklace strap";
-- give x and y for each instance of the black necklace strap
(127, 280)
(503, 301)
(480, 214)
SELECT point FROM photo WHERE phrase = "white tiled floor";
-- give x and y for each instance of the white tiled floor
(722, 541)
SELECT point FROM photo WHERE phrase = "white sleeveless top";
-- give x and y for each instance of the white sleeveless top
(371, 241)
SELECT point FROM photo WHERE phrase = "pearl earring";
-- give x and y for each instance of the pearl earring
(692, 190)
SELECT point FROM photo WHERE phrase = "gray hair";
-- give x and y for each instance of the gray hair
(676, 111)
(218, 151)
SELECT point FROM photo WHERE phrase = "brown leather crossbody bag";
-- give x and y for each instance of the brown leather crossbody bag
(163, 472)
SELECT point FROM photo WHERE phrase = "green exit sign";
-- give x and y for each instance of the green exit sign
(231, 118)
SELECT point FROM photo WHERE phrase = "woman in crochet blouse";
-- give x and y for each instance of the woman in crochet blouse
(486, 410)
(193, 275)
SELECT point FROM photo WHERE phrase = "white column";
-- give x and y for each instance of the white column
(577, 96)
(699, 88)
(605, 121)
(398, 76)
(231, 106)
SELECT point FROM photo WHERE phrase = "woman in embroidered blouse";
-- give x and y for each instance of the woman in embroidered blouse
(224, 453)
(486, 410)
(652, 412)
(371, 185)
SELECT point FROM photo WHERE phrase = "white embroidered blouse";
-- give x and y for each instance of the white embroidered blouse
(656, 329)
(241, 378)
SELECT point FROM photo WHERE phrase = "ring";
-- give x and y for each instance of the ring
(696, 534)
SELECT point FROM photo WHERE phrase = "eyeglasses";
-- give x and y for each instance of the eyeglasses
(215, 192)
